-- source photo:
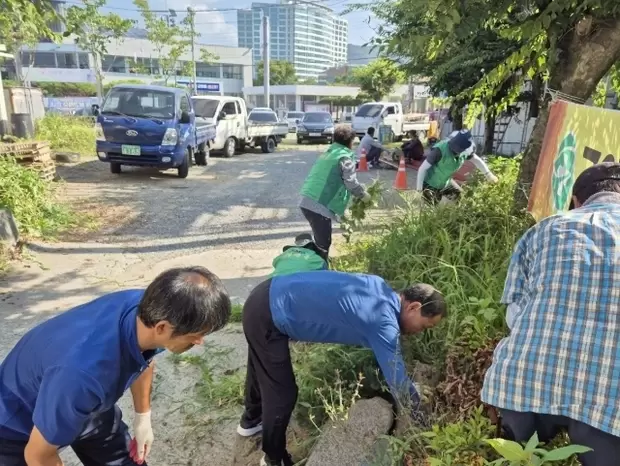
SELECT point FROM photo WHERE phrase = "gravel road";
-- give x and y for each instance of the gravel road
(233, 217)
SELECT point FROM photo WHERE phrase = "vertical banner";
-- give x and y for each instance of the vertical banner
(576, 137)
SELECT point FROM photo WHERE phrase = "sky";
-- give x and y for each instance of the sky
(220, 27)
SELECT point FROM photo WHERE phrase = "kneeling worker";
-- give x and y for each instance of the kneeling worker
(59, 385)
(443, 161)
(324, 307)
(328, 188)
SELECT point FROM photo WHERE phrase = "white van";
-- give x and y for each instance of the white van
(376, 113)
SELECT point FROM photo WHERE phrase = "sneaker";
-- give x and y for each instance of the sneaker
(248, 430)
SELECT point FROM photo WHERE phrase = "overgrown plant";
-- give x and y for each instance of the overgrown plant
(514, 454)
(67, 133)
(352, 220)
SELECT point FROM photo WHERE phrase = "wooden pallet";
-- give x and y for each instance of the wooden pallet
(34, 155)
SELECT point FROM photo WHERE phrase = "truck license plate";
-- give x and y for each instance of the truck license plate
(130, 150)
(316, 135)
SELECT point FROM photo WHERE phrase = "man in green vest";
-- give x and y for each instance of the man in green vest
(329, 187)
(443, 161)
(304, 256)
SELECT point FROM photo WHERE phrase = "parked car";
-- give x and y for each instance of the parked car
(293, 119)
(315, 126)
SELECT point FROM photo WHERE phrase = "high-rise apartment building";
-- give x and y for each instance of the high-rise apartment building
(307, 34)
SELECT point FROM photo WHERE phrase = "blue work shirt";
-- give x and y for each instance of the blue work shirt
(351, 309)
(71, 367)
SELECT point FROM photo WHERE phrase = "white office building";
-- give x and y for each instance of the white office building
(308, 34)
(135, 58)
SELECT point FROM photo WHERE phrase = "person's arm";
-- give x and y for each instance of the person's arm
(141, 391)
(385, 344)
(432, 158)
(483, 167)
(349, 177)
(67, 398)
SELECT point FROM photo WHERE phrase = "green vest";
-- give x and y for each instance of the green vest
(324, 183)
(295, 260)
(440, 174)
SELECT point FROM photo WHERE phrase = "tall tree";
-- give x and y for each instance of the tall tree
(378, 79)
(570, 44)
(93, 31)
(280, 72)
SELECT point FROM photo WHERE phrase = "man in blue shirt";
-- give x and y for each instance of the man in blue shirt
(559, 369)
(59, 385)
(324, 307)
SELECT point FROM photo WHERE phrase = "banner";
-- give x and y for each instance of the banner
(576, 137)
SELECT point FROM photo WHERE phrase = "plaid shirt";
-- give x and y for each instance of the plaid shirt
(563, 353)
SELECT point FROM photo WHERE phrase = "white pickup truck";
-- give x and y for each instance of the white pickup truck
(387, 113)
(234, 129)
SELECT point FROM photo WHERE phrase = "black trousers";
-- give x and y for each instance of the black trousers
(105, 442)
(270, 388)
(321, 230)
(374, 154)
(519, 427)
(434, 195)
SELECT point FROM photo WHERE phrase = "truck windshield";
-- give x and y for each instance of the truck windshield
(205, 108)
(139, 103)
(263, 117)
(369, 110)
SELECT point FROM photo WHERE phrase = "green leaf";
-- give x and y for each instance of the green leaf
(511, 451)
(565, 452)
(532, 443)
(435, 462)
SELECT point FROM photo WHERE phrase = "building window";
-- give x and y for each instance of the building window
(114, 64)
(67, 60)
(207, 71)
(232, 72)
(39, 59)
(83, 62)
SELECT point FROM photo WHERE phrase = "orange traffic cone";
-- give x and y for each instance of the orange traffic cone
(363, 166)
(401, 177)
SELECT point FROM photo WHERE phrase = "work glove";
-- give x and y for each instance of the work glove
(143, 437)
(491, 178)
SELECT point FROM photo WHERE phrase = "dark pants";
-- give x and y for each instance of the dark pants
(321, 230)
(373, 156)
(270, 388)
(104, 442)
(520, 427)
(433, 195)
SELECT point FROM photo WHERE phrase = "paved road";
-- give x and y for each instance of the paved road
(233, 217)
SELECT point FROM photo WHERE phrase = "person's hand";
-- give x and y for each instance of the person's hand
(143, 437)
(491, 178)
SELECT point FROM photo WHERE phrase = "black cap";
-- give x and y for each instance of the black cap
(583, 188)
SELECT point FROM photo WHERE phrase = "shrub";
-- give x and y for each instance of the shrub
(31, 200)
(68, 133)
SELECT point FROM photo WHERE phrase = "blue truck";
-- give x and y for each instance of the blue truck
(151, 126)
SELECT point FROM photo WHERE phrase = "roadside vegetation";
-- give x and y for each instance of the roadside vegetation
(67, 134)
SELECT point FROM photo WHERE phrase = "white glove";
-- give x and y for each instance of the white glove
(143, 435)
(491, 178)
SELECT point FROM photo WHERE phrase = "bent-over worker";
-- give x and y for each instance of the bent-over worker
(60, 383)
(324, 307)
(434, 177)
(328, 188)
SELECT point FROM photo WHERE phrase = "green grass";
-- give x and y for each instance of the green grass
(68, 134)
(236, 313)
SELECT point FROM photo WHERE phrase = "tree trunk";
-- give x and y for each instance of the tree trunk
(586, 54)
(489, 133)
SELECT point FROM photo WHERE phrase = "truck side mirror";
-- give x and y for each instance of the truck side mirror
(221, 115)
(185, 119)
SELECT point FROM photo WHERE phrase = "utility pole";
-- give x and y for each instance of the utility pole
(192, 25)
(266, 59)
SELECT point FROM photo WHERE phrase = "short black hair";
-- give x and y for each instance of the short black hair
(603, 177)
(344, 135)
(371, 131)
(191, 299)
(433, 303)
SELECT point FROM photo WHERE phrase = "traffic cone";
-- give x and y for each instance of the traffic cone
(363, 167)
(401, 177)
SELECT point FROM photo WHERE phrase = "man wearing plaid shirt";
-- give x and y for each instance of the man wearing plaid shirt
(560, 367)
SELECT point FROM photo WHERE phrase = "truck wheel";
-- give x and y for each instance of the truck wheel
(183, 169)
(229, 147)
(269, 146)
(115, 168)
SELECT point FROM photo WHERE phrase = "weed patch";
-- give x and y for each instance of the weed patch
(68, 134)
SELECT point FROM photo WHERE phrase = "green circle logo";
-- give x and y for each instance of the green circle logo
(564, 172)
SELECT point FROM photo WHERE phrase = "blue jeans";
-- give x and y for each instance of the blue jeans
(104, 442)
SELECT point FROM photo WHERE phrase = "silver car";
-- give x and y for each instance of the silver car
(293, 119)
